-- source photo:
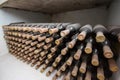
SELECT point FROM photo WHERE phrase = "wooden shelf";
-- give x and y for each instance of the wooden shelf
(53, 6)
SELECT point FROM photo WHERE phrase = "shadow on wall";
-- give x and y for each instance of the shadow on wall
(12, 15)
(114, 13)
(88, 16)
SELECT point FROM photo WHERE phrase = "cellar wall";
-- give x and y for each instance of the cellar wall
(88, 16)
(114, 19)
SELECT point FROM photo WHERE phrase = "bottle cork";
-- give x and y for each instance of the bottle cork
(43, 68)
(28, 42)
(37, 51)
(24, 29)
(59, 41)
(28, 58)
(68, 76)
(58, 73)
(100, 37)
(31, 54)
(88, 75)
(31, 49)
(88, 48)
(43, 30)
(34, 37)
(50, 55)
(23, 35)
(54, 64)
(35, 29)
(95, 60)
(41, 38)
(54, 78)
(36, 56)
(23, 41)
(34, 60)
(48, 40)
(15, 28)
(50, 71)
(72, 43)
(19, 29)
(77, 54)
(100, 73)
(112, 65)
(19, 35)
(29, 36)
(34, 43)
(64, 33)
(40, 44)
(26, 52)
(54, 30)
(23, 46)
(20, 40)
(69, 61)
(47, 46)
(34, 63)
(43, 53)
(100, 30)
(42, 58)
(58, 58)
(53, 49)
(38, 64)
(82, 35)
(83, 67)
(63, 67)
(25, 56)
(74, 71)
(107, 52)
(29, 29)
(64, 51)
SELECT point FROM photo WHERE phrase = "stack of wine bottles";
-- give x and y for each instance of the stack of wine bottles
(72, 51)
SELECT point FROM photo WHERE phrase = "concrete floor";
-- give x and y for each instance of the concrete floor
(14, 69)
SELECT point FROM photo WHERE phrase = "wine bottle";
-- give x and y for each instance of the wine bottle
(112, 65)
(78, 53)
(59, 41)
(115, 32)
(64, 50)
(58, 28)
(69, 61)
(39, 45)
(100, 32)
(107, 52)
(84, 63)
(70, 29)
(88, 75)
(50, 71)
(100, 73)
(84, 31)
(89, 46)
(43, 53)
(47, 46)
(95, 58)
(72, 43)
(75, 69)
